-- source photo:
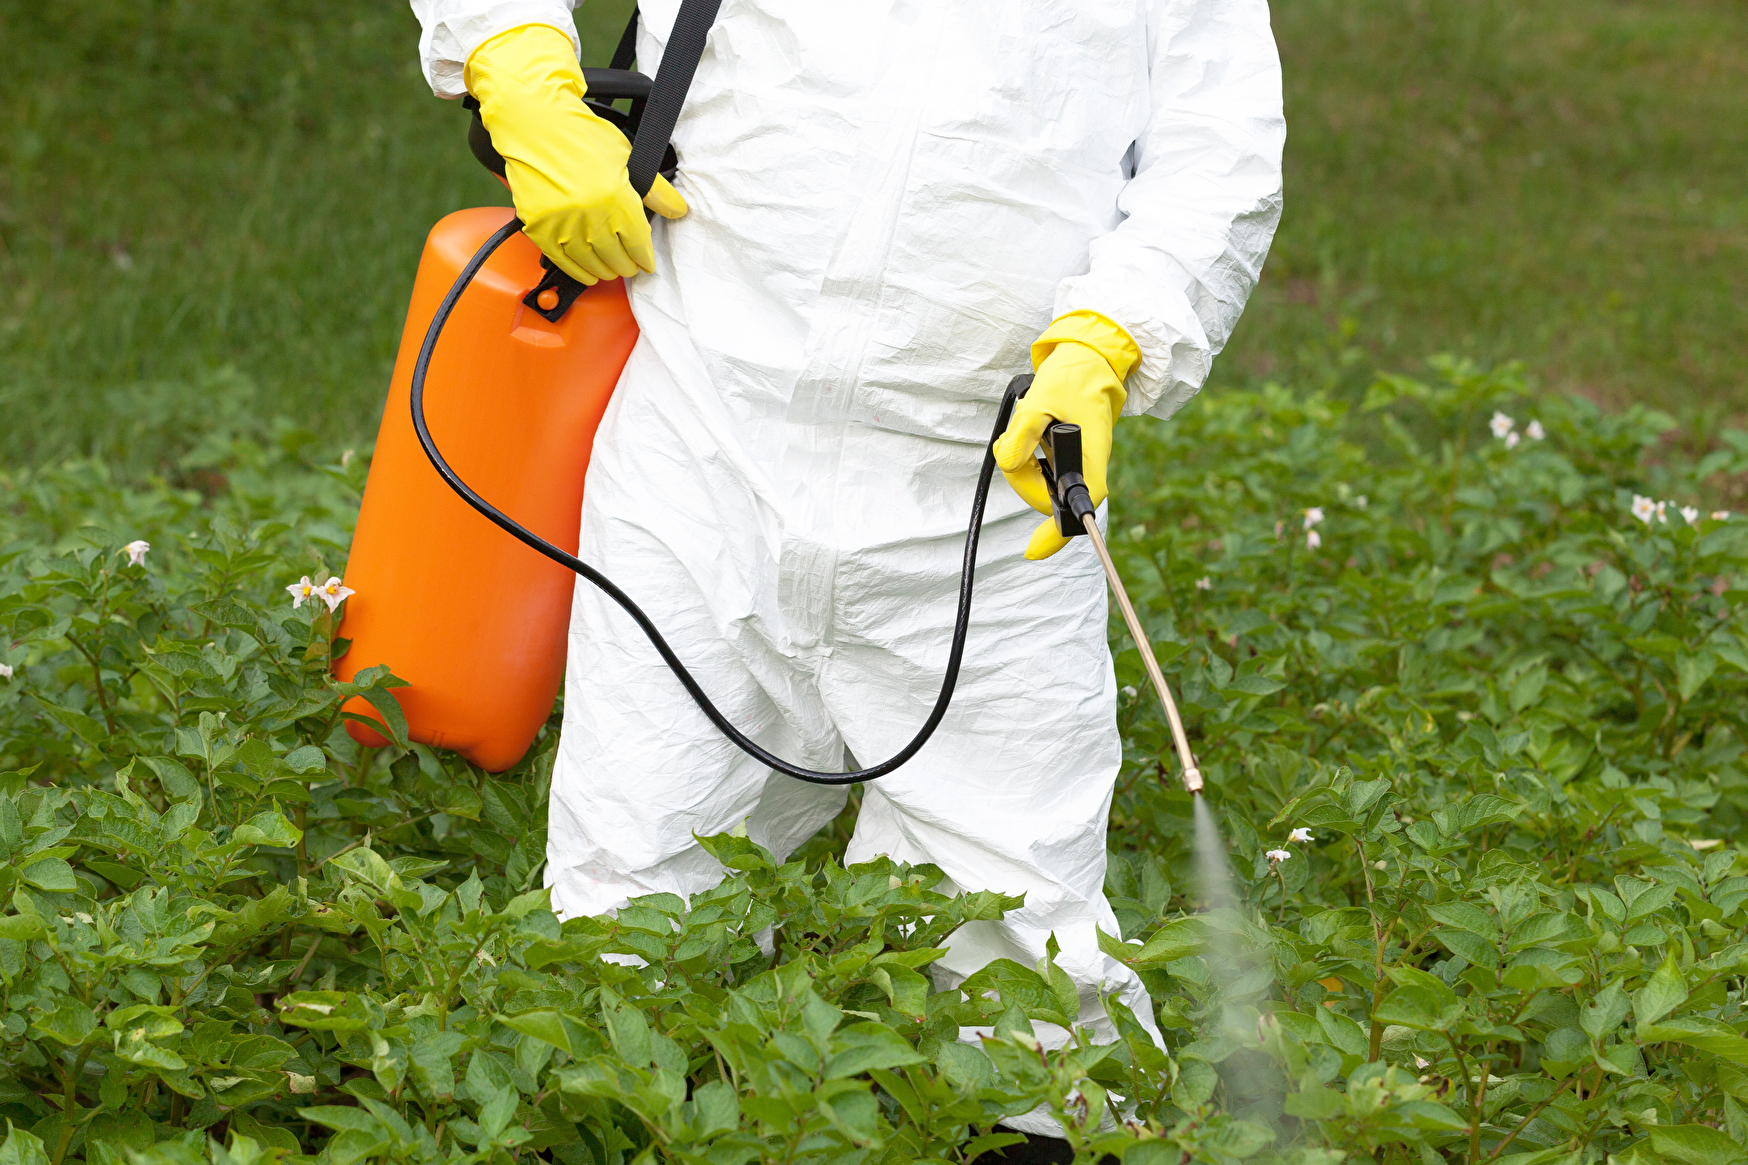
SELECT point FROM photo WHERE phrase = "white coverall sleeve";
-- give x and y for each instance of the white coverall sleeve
(452, 29)
(1203, 202)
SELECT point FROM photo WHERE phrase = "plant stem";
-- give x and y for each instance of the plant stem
(70, 1102)
(1480, 1098)
(1534, 1113)
(297, 975)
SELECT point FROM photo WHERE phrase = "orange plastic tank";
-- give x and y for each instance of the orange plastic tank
(473, 620)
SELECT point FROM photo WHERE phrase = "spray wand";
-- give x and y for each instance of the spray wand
(1075, 514)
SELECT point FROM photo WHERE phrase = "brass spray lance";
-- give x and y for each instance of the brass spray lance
(1075, 514)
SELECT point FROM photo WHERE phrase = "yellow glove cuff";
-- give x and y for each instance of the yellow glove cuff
(1098, 332)
(529, 56)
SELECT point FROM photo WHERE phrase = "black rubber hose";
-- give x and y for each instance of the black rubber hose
(529, 538)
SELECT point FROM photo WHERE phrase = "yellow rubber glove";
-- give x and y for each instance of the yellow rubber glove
(1080, 363)
(565, 166)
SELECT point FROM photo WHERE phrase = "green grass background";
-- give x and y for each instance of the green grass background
(210, 213)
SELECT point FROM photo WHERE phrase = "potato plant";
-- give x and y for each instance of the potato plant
(1465, 670)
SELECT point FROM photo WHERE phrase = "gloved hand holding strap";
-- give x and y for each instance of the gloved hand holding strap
(1081, 360)
(565, 166)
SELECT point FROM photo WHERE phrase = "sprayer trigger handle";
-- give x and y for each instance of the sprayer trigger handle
(1070, 499)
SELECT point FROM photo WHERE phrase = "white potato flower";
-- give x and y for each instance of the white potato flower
(300, 590)
(1501, 425)
(333, 593)
(136, 552)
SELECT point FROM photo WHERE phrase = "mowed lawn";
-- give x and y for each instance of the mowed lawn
(210, 213)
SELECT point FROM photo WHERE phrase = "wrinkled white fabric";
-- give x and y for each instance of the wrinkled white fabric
(889, 200)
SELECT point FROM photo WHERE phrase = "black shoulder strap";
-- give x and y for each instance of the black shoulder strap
(679, 63)
(627, 50)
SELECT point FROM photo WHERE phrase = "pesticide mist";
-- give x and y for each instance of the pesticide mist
(1240, 976)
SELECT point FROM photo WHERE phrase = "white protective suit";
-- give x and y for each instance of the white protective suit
(890, 199)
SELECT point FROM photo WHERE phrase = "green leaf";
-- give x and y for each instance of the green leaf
(1604, 1013)
(628, 1030)
(1564, 1049)
(389, 708)
(1621, 1059)
(84, 727)
(1696, 1145)
(1419, 1007)
(1528, 688)
(22, 927)
(1318, 1104)
(1431, 1115)
(367, 866)
(548, 1026)
(1692, 671)
(1175, 940)
(906, 990)
(432, 1063)
(1016, 986)
(329, 1011)
(174, 778)
(150, 1020)
(1465, 916)
(988, 1143)
(862, 1046)
(70, 1022)
(50, 874)
(1483, 810)
(1708, 1035)
(226, 614)
(307, 759)
(340, 1118)
(1472, 947)
(1362, 795)
(22, 1148)
(1343, 1033)
(1649, 902)
(125, 877)
(715, 1109)
(737, 853)
(269, 827)
(1661, 995)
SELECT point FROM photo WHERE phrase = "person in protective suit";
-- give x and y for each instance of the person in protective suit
(885, 209)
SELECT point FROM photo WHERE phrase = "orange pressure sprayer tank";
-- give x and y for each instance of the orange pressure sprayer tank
(474, 621)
